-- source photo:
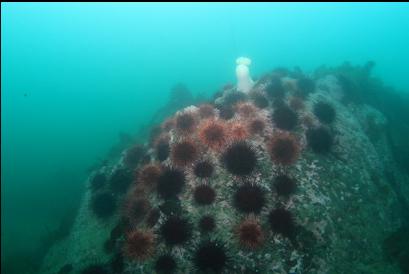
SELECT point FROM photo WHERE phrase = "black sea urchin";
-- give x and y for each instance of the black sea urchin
(176, 230)
(240, 159)
(249, 198)
(170, 183)
(210, 257)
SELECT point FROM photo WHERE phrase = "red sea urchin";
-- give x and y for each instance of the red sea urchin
(256, 126)
(184, 153)
(139, 245)
(249, 233)
(136, 209)
(149, 175)
(206, 111)
(238, 131)
(213, 133)
(246, 109)
(284, 149)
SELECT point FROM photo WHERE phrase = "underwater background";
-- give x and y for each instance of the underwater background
(79, 82)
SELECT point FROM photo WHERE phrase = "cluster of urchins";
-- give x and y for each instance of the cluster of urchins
(225, 131)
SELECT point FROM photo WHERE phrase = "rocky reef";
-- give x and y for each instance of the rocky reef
(298, 175)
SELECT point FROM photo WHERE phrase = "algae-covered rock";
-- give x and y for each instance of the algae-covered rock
(216, 201)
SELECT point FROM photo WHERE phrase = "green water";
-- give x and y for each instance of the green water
(74, 76)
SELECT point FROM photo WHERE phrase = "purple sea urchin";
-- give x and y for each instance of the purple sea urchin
(203, 169)
(176, 230)
(207, 223)
(165, 264)
(210, 257)
(324, 112)
(249, 198)
(139, 245)
(170, 183)
(284, 185)
(285, 118)
(184, 153)
(282, 222)
(240, 159)
(204, 195)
